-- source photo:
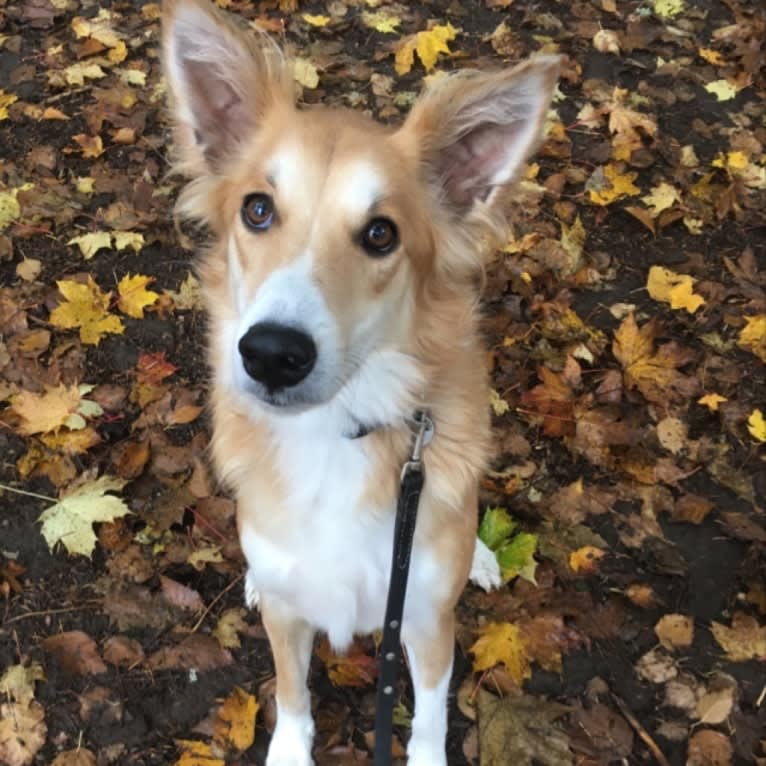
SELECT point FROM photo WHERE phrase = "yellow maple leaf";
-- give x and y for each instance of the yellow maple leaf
(428, 44)
(502, 644)
(653, 373)
(86, 307)
(753, 335)
(195, 753)
(711, 56)
(90, 244)
(661, 197)
(625, 123)
(132, 239)
(316, 21)
(676, 289)
(234, 726)
(585, 559)
(668, 9)
(131, 76)
(48, 411)
(757, 425)
(134, 297)
(744, 640)
(75, 442)
(76, 74)
(382, 22)
(70, 521)
(711, 401)
(6, 99)
(723, 90)
(617, 185)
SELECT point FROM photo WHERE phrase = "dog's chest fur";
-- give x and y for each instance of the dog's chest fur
(325, 552)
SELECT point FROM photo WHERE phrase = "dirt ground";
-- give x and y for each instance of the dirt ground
(638, 605)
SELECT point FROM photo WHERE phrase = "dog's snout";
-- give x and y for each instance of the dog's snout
(277, 356)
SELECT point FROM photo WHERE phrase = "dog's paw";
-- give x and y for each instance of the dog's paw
(252, 597)
(292, 740)
(485, 571)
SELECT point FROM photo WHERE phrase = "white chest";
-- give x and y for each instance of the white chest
(329, 558)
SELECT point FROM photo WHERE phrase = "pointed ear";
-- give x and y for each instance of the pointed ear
(222, 80)
(473, 131)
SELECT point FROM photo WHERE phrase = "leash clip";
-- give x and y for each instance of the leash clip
(423, 427)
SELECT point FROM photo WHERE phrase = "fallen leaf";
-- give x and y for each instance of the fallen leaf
(744, 640)
(521, 730)
(711, 401)
(234, 725)
(756, 425)
(80, 756)
(723, 90)
(90, 244)
(381, 22)
(315, 21)
(123, 651)
(585, 559)
(22, 732)
(675, 630)
(612, 186)
(428, 44)
(131, 239)
(304, 72)
(668, 9)
(517, 557)
(198, 754)
(498, 404)
(502, 644)
(181, 596)
(49, 411)
(661, 197)
(496, 527)
(76, 652)
(29, 269)
(70, 521)
(709, 748)
(753, 335)
(354, 668)
(134, 297)
(714, 707)
(229, 624)
(676, 289)
(87, 308)
(195, 651)
(18, 682)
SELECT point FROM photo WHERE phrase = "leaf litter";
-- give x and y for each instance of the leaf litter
(626, 330)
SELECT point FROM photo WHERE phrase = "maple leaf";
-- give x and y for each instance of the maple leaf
(70, 521)
(48, 411)
(22, 732)
(496, 527)
(611, 185)
(86, 307)
(229, 624)
(516, 557)
(676, 289)
(428, 44)
(625, 123)
(756, 425)
(90, 244)
(501, 643)
(6, 99)
(661, 197)
(521, 730)
(134, 297)
(744, 640)
(18, 682)
(753, 335)
(131, 239)
(654, 374)
(195, 753)
(354, 668)
(381, 22)
(234, 725)
(711, 401)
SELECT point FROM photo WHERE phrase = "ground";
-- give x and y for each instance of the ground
(626, 335)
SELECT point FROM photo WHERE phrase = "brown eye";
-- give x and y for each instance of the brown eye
(258, 211)
(380, 236)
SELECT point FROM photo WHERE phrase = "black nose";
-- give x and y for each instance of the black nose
(277, 356)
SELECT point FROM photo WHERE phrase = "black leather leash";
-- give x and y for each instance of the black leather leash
(410, 486)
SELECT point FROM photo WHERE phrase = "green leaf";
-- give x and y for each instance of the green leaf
(496, 527)
(516, 558)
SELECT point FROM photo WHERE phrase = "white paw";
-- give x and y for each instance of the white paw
(485, 571)
(252, 597)
(291, 741)
(425, 754)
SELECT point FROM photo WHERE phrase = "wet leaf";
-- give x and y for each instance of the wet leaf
(502, 644)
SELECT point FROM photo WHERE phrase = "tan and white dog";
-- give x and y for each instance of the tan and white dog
(342, 289)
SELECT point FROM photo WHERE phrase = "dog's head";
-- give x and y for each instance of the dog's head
(332, 231)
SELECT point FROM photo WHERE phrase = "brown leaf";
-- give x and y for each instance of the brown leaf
(22, 732)
(78, 757)
(692, 508)
(181, 595)
(195, 651)
(744, 640)
(123, 651)
(675, 630)
(709, 748)
(606, 731)
(355, 668)
(76, 652)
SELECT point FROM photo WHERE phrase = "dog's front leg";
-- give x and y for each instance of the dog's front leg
(429, 652)
(291, 641)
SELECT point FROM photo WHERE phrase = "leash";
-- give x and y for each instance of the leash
(410, 486)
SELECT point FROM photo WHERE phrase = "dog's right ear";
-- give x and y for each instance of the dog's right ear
(222, 80)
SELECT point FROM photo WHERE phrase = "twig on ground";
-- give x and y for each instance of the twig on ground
(214, 602)
(641, 731)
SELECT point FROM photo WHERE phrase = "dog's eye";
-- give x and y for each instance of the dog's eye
(258, 211)
(380, 236)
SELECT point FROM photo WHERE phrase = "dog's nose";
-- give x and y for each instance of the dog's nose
(277, 356)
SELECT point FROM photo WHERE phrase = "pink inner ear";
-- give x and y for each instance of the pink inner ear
(472, 166)
(219, 112)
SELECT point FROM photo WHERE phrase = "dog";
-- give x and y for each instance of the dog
(342, 287)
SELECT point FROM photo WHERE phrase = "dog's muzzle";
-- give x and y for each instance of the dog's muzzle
(277, 356)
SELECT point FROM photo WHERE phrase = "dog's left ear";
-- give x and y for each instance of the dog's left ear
(222, 80)
(473, 131)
